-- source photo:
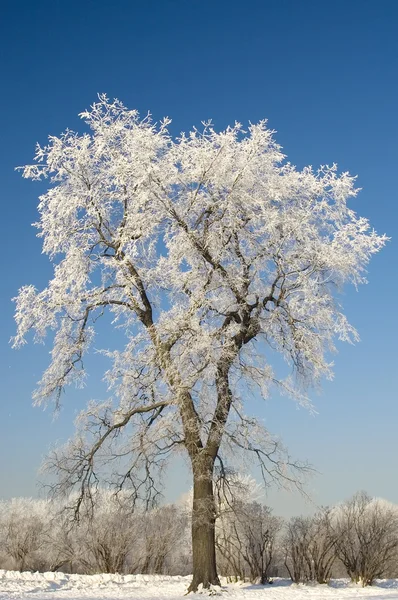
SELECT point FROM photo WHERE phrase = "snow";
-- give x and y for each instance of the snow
(54, 586)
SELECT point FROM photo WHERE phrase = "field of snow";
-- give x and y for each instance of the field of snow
(57, 586)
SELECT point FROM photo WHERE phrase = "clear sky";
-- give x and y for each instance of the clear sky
(325, 74)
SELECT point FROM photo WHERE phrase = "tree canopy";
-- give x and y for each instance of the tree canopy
(208, 249)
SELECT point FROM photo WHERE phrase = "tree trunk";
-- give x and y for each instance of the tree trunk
(203, 527)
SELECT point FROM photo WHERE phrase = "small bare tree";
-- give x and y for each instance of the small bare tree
(366, 532)
(161, 531)
(23, 522)
(259, 530)
(295, 546)
(322, 549)
(108, 534)
(200, 247)
(246, 529)
(309, 545)
(61, 549)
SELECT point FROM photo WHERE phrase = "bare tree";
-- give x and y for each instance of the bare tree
(309, 545)
(233, 492)
(322, 549)
(295, 547)
(259, 529)
(162, 530)
(366, 533)
(61, 549)
(109, 534)
(246, 530)
(200, 247)
(23, 522)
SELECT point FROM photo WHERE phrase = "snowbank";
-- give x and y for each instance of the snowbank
(57, 586)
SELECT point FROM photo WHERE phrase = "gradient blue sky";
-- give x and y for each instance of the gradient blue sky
(325, 74)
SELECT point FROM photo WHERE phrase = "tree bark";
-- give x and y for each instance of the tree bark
(203, 526)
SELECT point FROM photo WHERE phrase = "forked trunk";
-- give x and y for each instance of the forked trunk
(203, 528)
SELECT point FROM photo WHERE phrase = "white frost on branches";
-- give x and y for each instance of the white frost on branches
(207, 249)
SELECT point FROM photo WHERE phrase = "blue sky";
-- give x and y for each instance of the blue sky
(325, 74)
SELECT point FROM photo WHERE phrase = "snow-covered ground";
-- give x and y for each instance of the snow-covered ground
(54, 586)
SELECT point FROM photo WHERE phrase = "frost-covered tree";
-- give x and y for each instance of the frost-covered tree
(211, 253)
(23, 525)
(366, 532)
(62, 549)
(107, 537)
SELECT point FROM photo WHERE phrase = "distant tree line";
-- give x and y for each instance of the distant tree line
(357, 538)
